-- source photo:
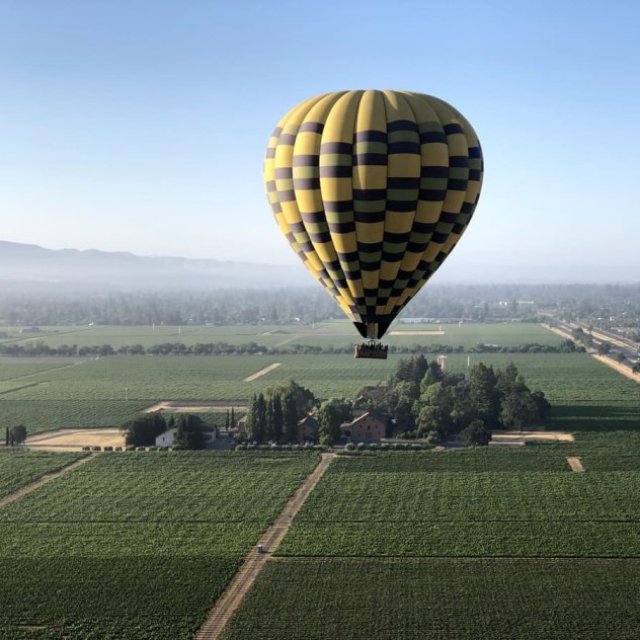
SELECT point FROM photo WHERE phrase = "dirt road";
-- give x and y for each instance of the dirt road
(235, 593)
(262, 372)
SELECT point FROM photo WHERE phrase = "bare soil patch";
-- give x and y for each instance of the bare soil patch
(232, 598)
(576, 464)
(532, 436)
(175, 406)
(262, 372)
(620, 368)
(75, 439)
(416, 333)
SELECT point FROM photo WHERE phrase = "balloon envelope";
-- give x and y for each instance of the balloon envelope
(373, 189)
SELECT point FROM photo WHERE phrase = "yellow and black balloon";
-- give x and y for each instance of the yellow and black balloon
(373, 189)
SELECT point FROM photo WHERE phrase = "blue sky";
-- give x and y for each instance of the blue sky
(141, 126)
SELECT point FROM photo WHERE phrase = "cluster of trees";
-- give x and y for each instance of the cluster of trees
(143, 430)
(15, 435)
(425, 401)
(273, 416)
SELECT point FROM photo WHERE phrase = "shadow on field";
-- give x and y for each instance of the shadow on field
(594, 418)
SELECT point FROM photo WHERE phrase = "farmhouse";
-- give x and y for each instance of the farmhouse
(307, 430)
(366, 428)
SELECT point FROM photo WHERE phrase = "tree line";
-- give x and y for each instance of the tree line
(143, 430)
(40, 348)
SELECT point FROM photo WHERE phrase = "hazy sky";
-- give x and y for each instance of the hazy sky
(141, 126)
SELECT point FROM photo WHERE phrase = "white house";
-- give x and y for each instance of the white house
(166, 439)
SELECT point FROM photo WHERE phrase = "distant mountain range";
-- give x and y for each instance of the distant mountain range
(28, 266)
(31, 266)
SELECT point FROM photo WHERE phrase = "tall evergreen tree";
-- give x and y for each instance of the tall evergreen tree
(269, 430)
(278, 418)
(290, 419)
(484, 395)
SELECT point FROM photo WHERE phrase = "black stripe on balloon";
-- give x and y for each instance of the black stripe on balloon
(341, 283)
(458, 228)
(404, 275)
(276, 132)
(396, 237)
(439, 237)
(348, 257)
(416, 247)
(370, 159)
(475, 174)
(305, 160)
(458, 161)
(286, 138)
(276, 208)
(369, 266)
(297, 227)
(403, 183)
(432, 195)
(401, 206)
(311, 127)
(387, 256)
(365, 248)
(457, 184)
(306, 246)
(370, 135)
(448, 217)
(271, 152)
(271, 186)
(386, 284)
(336, 171)
(286, 196)
(369, 216)
(306, 184)
(402, 125)
(334, 265)
(475, 152)
(369, 195)
(323, 237)
(429, 137)
(424, 227)
(342, 227)
(370, 293)
(396, 292)
(353, 275)
(434, 172)
(338, 206)
(314, 216)
(283, 173)
(468, 207)
(403, 146)
(452, 128)
(336, 147)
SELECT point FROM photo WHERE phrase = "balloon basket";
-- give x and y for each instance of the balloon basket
(374, 350)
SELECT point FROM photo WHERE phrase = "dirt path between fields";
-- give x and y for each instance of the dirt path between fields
(41, 481)
(610, 362)
(232, 598)
(262, 372)
(575, 464)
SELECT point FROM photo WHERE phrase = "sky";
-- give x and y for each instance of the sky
(141, 126)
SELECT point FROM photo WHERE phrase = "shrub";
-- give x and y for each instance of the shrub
(108, 448)
(141, 448)
(86, 448)
(349, 446)
(118, 449)
(96, 448)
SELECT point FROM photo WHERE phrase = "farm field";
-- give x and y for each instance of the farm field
(152, 538)
(17, 469)
(326, 334)
(106, 392)
(387, 507)
(442, 599)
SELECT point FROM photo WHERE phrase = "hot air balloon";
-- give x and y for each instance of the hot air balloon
(373, 189)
